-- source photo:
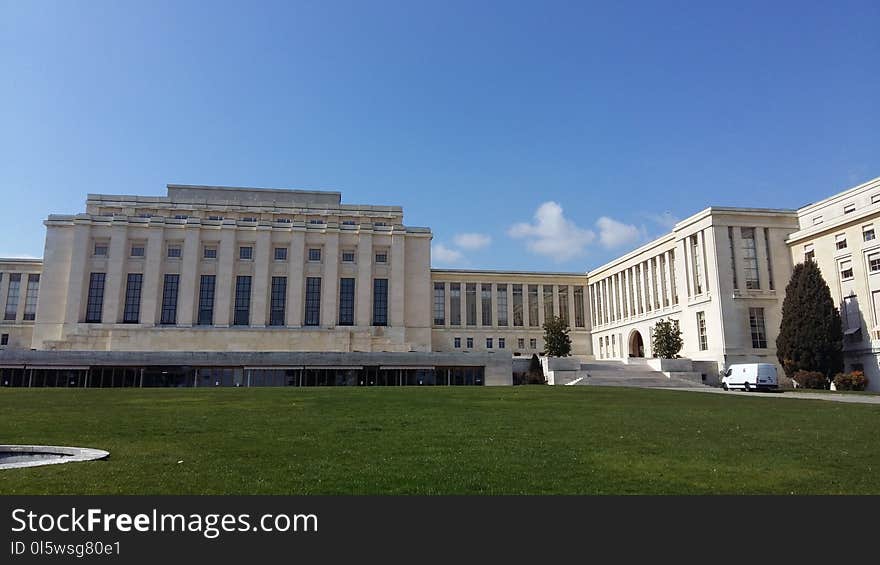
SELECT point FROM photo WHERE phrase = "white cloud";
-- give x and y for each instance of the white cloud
(665, 220)
(444, 255)
(472, 241)
(18, 256)
(613, 234)
(552, 234)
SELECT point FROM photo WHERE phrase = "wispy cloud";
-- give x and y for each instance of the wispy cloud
(665, 220)
(614, 234)
(443, 255)
(472, 241)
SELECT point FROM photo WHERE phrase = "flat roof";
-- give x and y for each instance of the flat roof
(496, 272)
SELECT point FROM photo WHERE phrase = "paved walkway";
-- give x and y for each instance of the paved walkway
(852, 398)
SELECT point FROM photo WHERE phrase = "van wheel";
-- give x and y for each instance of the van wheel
(747, 387)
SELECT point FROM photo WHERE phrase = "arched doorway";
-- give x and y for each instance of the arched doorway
(636, 345)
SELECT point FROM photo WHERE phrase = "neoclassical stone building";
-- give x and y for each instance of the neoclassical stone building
(216, 286)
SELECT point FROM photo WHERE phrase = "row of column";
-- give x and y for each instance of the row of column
(526, 316)
(226, 271)
(636, 290)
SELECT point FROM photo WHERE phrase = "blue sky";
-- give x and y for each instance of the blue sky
(539, 135)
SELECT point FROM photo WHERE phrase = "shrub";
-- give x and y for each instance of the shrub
(810, 379)
(535, 375)
(666, 339)
(851, 381)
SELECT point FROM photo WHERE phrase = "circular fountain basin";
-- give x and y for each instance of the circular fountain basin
(19, 456)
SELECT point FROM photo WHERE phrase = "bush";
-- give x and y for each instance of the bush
(851, 381)
(666, 339)
(810, 379)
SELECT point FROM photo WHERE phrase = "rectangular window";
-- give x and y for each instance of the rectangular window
(750, 258)
(548, 302)
(206, 300)
(520, 343)
(314, 254)
(380, 302)
(381, 257)
(563, 304)
(868, 233)
(281, 254)
(533, 343)
(316, 222)
(817, 220)
(533, 305)
(846, 270)
(517, 305)
(30, 300)
(501, 299)
(840, 241)
(849, 208)
(850, 315)
(470, 305)
(12, 296)
(875, 198)
(4, 339)
(278, 300)
(455, 304)
(138, 250)
(348, 256)
(469, 343)
(174, 251)
(769, 261)
(100, 250)
(488, 343)
(169, 300)
(456, 343)
(246, 253)
(809, 253)
(209, 252)
(346, 302)
(313, 301)
(242, 315)
(95, 300)
(874, 262)
(663, 288)
(756, 324)
(501, 343)
(439, 303)
(486, 303)
(701, 330)
(579, 310)
(697, 258)
(132, 312)
(732, 256)
(875, 301)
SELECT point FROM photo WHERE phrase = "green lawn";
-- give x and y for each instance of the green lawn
(441, 441)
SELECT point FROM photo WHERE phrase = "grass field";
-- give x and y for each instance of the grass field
(532, 440)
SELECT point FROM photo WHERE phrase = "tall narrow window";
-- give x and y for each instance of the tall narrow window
(697, 257)
(840, 241)
(756, 325)
(277, 301)
(30, 301)
(242, 315)
(470, 296)
(638, 284)
(732, 257)
(95, 300)
(313, 301)
(809, 252)
(701, 331)
(533, 306)
(132, 312)
(501, 299)
(206, 300)
(517, 305)
(654, 284)
(486, 303)
(346, 302)
(548, 301)
(750, 258)
(563, 304)
(439, 304)
(672, 276)
(770, 283)
(455, 304)
(663, 283)
(579, 310)
(380, 302)
(12, 296)
(169, 300)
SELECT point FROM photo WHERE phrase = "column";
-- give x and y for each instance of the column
(571, 308)
(683, 255)
(479, 290)
(188, 293)
(542, 316)
(526, 317)
(702, 250)
(364, 284)
(397, 284)
(330, 282)
(509, 304)
(463, 306)
(493, 289)
(260, 281)
(667, 262)
(114, 284)
(446, 309)
(295, 279)
(556, 310)
(226, 257)
(152, 290)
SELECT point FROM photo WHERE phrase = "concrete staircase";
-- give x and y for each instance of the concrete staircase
(617, 373)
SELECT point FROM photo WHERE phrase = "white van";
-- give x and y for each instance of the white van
(750, 376)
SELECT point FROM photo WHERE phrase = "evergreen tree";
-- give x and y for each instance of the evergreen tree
(811, 334)
(666, 339)
(557, 343)
(535, 376)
